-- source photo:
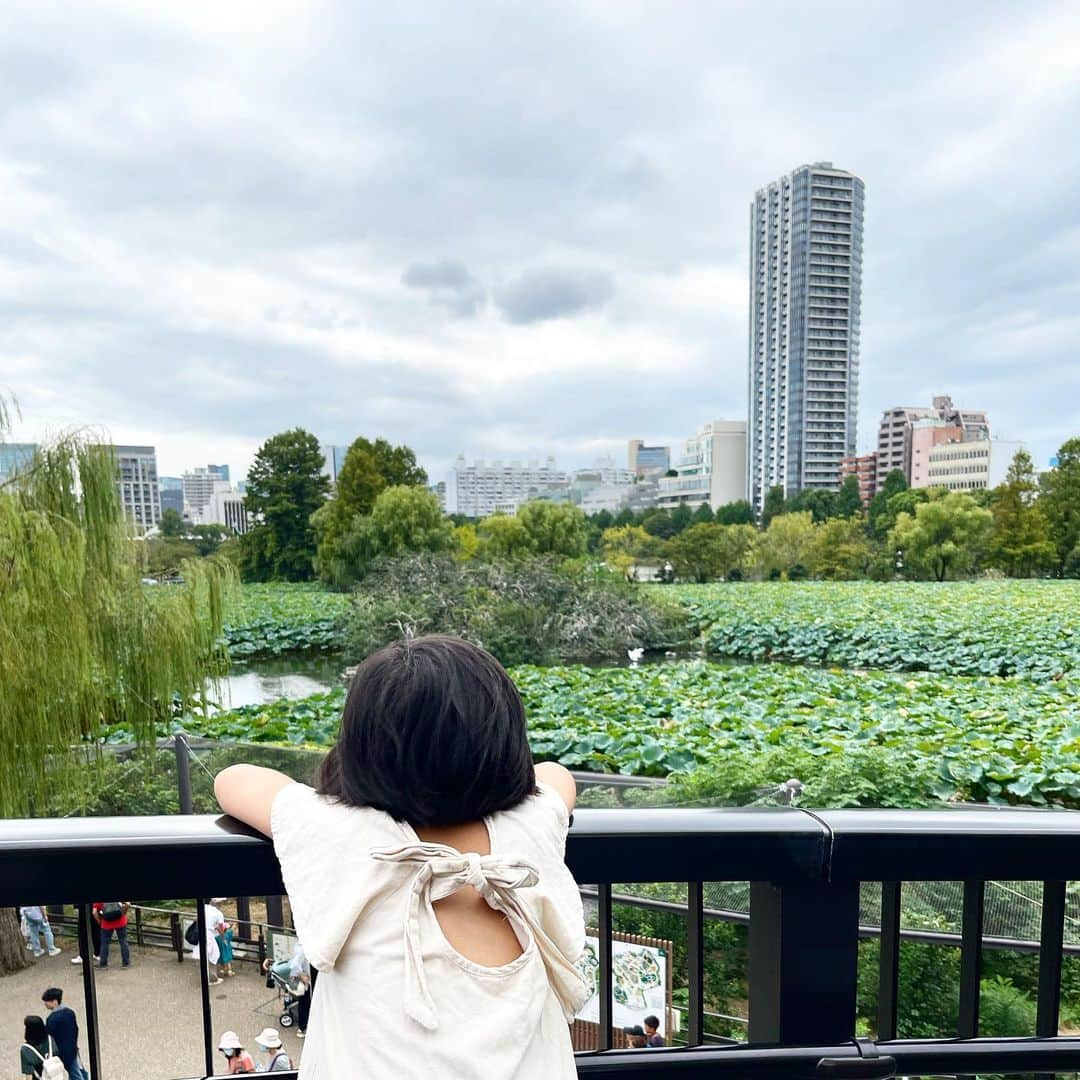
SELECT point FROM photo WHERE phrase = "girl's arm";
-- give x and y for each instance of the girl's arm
(246, 792)
(561, 779)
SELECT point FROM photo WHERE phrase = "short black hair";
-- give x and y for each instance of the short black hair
(652, 1021)
(34, 1031)
(433, 733)
(54, 993)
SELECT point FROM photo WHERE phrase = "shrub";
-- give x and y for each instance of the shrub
(532, 610)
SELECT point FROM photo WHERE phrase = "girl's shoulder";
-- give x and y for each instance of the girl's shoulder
(541, 821)
(324, 849)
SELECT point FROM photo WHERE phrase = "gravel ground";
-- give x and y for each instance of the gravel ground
(150, 1019)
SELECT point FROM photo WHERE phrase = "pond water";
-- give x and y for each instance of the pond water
(260, 681)
(256, 682)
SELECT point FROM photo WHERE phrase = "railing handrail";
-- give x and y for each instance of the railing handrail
(778, 844)
(804, 869)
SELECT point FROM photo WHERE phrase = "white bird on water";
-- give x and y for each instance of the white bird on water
(635, 656)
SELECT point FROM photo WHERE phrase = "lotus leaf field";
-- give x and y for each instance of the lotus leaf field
(967, 690)
(269, 620)
(985, 738)
(1029, 628)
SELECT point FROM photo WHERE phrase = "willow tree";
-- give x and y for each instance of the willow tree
(82, 643)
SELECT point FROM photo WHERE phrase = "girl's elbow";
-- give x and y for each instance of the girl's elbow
(226, 784)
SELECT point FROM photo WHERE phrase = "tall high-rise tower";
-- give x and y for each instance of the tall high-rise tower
(805, 290)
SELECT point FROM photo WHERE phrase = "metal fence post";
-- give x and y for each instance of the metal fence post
(183, 773)
(804, 947)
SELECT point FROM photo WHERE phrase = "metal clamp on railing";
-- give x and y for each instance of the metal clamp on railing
(869, 1065)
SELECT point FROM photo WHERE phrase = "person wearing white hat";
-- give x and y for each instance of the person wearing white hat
(276, 1059)
(240, 1061)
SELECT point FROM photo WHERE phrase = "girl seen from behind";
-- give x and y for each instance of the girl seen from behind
(426, 876)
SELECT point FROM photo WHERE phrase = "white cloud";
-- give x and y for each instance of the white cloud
(208, 214)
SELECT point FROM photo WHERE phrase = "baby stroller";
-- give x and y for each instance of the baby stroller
(288, 992)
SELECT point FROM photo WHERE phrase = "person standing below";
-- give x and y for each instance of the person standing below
(63, 1026)
(111, 916)
(240, 1061)
(653, 1038)
(225, 949)
(37, 925)
(37, 1045)
(301, 974)
(215, 924)
(277, 1060)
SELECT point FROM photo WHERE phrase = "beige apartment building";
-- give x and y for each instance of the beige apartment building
(895, 433)
(711, 468)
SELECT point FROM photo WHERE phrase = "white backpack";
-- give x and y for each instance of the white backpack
(52, 1068)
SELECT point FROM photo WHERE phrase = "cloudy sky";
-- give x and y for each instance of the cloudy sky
(517, 228)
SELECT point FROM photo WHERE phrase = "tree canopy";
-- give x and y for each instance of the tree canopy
(945, 535)
(369, 469)
(285, 486)
(1021, 543)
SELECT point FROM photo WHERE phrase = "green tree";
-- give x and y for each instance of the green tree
(503, 537)
(554, 529)
(788, 543)
(82, 644)
(849, 499)
(739, 512)
(658, 522)
(172, 524)
(774, 505)
(682, 517)
(368, 470)
(820, 502)
(879, 520)
(946, 535)
(707, 552)
(841, 551)
(286, 485)
(403, 521)
(164, 558)
(1020, 544)
(466, 542)
(704, 514)
(1060, 502)
(209, 538)
(627, 545)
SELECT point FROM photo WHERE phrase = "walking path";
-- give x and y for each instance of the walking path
(150, 1018)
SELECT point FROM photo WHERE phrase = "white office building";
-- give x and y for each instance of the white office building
(138, 484)
(333, 459)
(479, 489)
(225, 506)
(710, 469)
(972, 465)
(198, 485)
(805, 295)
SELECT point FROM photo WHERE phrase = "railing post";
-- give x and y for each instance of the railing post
(275, 911)
(971, 930)
(183, 773)
(90, 1017)
(243, 918)
(889, 960)
(804, 942)
(204, 986)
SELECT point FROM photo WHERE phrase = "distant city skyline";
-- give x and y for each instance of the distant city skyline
(528, 242)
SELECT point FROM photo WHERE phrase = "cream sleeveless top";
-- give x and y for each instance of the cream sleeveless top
(393, 998)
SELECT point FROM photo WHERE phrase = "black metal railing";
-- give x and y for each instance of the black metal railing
(804, 868)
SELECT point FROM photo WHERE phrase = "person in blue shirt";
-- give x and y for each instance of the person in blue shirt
(63, 1027)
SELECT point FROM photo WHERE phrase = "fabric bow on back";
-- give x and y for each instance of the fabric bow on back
(442, 870)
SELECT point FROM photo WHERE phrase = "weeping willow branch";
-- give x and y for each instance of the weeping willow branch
(82, 642)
